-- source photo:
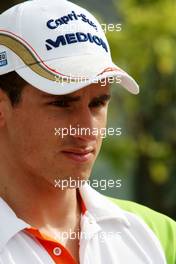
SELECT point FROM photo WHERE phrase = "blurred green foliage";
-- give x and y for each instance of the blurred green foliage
(145, 155)
(146, 49)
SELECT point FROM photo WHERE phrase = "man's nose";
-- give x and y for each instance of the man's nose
(85, 124)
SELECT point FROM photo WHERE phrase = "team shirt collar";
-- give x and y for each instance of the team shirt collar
(100, 207)
(10, 224)
(93, 204)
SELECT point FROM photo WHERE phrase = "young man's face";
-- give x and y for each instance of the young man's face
(30, 132)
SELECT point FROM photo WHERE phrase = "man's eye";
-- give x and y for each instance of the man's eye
(60, 103)
(97, 104)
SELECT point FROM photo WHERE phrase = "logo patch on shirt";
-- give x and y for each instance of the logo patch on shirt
(3, 59)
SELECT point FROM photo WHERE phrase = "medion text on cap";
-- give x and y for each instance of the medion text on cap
(71, 38)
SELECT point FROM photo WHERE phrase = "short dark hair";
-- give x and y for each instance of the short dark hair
(12, 84)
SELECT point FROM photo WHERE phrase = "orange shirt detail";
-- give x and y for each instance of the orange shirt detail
(58, 253)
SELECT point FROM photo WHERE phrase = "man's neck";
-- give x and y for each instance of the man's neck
(39, 203)
(49, 209)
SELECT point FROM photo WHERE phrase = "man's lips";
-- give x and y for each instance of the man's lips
(79, 155)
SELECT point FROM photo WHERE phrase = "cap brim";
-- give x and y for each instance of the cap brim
(69, 74)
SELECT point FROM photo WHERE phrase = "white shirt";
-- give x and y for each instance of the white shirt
(110, 235)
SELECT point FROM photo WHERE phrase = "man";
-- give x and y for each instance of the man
(54, 58)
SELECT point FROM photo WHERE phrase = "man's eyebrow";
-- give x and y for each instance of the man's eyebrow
(71, 98)
(103, 97)
(68, 98)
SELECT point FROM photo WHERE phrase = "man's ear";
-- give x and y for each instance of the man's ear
(4, 107)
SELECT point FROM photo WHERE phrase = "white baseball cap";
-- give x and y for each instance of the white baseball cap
(57, 46)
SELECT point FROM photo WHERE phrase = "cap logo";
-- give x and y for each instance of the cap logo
(3, 59)
(75, 38)
(53, 24)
